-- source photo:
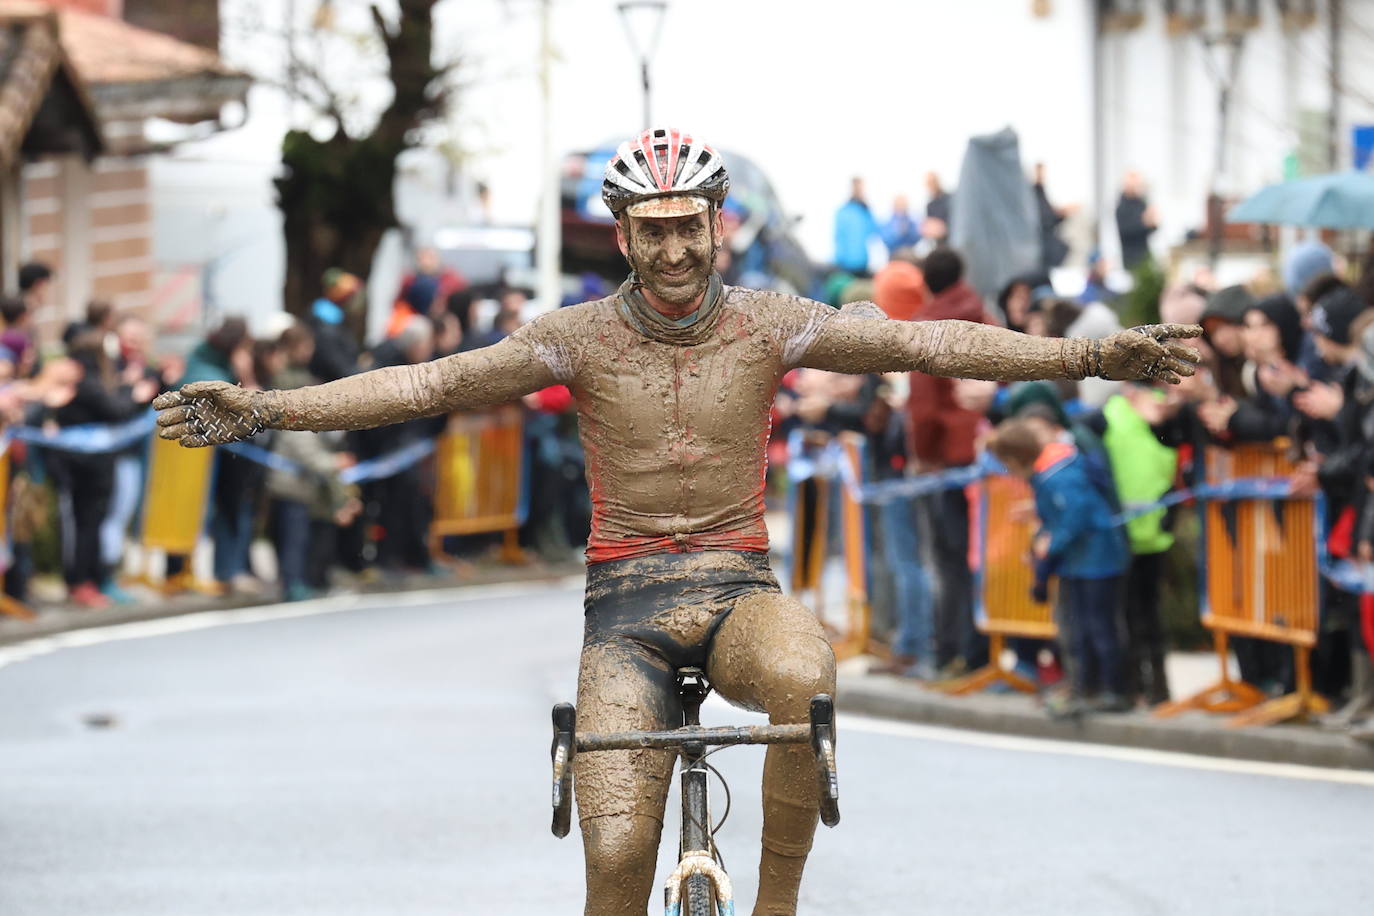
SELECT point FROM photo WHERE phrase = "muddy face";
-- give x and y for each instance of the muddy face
(673, 257)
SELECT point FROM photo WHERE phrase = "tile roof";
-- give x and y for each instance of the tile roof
(32, 67)
(108, 50)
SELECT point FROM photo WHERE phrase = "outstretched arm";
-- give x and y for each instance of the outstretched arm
(211, 413)
(850, 341)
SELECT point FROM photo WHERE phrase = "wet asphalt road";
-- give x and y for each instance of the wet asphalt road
(392, 759)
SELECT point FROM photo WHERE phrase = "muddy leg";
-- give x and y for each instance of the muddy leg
(772, 655)
(620, 794)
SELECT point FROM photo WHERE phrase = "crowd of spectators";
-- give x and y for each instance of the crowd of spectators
(288, 486)
(1288, 359)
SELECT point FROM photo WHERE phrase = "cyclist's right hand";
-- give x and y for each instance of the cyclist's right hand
(211, 413)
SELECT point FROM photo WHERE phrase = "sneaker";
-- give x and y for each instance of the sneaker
(247, 584)
(1061, 707)
(116, 594)
(178, 583)
(298, 592)
(919, 671)
(88, 596)
(1050, 673)
(1112, 702)
(956, 668)
(897, 664)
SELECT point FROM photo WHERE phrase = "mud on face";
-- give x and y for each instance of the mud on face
(672, 256)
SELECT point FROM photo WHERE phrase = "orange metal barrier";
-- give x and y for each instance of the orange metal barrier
(8, 606)
(479, 477)
(1262, 581)
(1004, 583)
(857, 638)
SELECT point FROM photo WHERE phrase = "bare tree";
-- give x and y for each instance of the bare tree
(336, 194)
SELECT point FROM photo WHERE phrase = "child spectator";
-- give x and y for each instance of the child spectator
(1079, 544)
(1144, 470)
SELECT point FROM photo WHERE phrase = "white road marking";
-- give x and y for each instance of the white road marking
(851, 722)
(204, 620)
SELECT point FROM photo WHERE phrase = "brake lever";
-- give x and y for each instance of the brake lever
(564, 746)
(823, 747)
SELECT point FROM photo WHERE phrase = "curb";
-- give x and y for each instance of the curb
(1191, 733)
(58, 619)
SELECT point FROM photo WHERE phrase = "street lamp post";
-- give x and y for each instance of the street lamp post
(643, 21)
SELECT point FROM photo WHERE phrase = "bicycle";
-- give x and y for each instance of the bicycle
(700, 876)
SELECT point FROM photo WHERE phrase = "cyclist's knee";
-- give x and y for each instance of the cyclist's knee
(789, 683)
(621, 847)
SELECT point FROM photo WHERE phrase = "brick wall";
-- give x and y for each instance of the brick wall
(92, 223)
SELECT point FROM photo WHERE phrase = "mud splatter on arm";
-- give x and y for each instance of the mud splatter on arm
(819, 337)
(853, 340)
(479, 378)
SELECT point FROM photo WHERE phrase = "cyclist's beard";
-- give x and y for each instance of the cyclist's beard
(679, 281)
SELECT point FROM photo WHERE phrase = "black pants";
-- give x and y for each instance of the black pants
(291, 538)
(943, 519)
(324, 546)
(1145, 650)
(404, 513)
(84, 488)
(1096, 635)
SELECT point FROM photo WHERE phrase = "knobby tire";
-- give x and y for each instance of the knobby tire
(701, 896)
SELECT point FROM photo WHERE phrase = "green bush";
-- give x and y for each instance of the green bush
(1141, 304)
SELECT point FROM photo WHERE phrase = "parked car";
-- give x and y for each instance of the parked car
(490, 258)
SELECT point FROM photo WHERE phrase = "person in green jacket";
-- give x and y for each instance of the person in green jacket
(1144, 470)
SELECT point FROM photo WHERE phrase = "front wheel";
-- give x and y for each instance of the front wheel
(701, 896)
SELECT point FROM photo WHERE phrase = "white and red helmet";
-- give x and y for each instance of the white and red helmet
(664, 172)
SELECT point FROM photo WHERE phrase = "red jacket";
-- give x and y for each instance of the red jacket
(941, 432)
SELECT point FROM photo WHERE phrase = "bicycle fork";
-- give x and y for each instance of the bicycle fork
(697, 847)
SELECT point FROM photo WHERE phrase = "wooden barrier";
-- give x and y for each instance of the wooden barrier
(480, 478)
(10, 607)
(1003, 583)
(1261, 580)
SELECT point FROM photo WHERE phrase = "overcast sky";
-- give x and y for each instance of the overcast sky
(814, 93)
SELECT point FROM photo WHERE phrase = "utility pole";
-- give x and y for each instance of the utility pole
(1334, 13)
(1231, 45)
(549, 234)
(643, 21)
(1098, 114)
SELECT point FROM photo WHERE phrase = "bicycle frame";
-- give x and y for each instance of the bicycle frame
(696, 848)
(696, 852)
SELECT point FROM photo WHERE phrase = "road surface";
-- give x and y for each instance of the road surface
(388, 755)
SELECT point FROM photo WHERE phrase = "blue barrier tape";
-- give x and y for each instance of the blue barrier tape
(105, 438)
(259, 455)
(89, 438)
(390, 464)
(379, 468)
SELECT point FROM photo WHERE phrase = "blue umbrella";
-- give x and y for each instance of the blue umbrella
(1343, 200)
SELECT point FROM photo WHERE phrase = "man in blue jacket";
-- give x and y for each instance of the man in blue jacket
(1079, 544)
(855, 225)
